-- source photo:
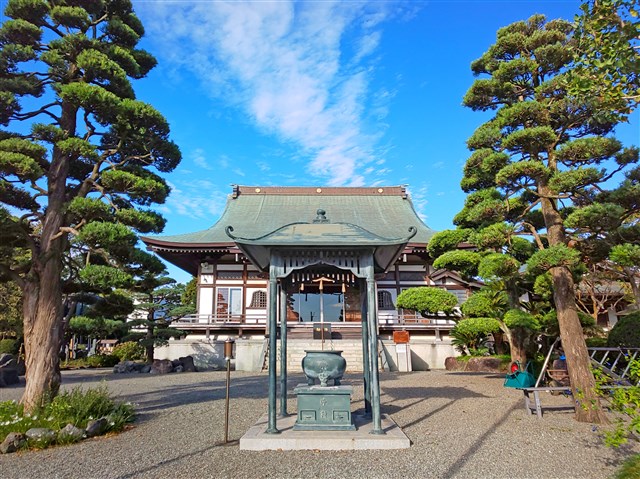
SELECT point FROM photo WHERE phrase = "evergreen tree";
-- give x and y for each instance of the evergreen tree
(79, 158)
(542, 155)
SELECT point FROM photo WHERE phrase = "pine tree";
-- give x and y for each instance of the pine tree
(79, 159)
(544, 154)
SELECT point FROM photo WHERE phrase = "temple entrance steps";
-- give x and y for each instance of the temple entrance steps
(351, 351)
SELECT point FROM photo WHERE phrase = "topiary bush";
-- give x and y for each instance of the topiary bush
(469, 333)
(626, 332)
(129, 351)
(427, 300)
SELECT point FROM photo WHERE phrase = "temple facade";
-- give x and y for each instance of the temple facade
(317, 246)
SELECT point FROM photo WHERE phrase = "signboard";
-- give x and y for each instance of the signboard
(401, 337)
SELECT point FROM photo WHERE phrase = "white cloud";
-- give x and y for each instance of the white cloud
(198, 158)
(285, 65)
(199, 200)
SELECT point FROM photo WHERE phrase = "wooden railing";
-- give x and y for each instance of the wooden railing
(384, 318)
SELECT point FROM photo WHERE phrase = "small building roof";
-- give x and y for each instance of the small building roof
(378, 214)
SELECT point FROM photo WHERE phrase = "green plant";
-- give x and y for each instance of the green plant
(427, 300)
(626, 332)
(97, 361)
(625, 401)
(129, 351)
(9, 346)
(469, 333)
(76, 406)
(630, 468)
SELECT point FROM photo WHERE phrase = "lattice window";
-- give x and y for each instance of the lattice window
(385, 302)
(461, 294)
(259, 300)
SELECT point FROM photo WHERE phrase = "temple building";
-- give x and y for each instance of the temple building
(318, 259)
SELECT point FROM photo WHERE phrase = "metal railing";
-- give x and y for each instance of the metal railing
(615, 362)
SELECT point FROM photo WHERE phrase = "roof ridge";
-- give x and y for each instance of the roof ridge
(398, 190)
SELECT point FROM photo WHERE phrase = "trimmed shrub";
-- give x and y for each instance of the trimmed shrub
(129, 351)
(626, 332)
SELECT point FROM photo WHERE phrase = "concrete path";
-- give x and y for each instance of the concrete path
(462, 425)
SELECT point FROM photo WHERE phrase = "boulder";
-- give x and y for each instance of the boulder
(176, 362)
(13, 442)
(451, 364)
(8, 376)
(97, 427)
(5, 358)
(41, 435)
(178, 369)
(70, 433)
(161, 366)
(145, 368)
(188, 364)
(127, 367)
(484, 364)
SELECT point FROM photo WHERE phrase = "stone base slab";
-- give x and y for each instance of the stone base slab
(256, 439)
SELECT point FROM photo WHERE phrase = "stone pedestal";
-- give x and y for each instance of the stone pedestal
(323, 408)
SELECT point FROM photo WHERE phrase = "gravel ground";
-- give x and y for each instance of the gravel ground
(461, 425)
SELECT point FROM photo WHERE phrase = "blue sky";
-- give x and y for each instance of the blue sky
(321, 93)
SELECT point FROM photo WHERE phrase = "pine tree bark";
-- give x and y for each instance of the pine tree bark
(42, 290)
(583, 386)
(42, 318)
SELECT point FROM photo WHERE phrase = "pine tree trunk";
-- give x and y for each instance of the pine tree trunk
(149, 346)
(583, 387)
(517, 345)
(42, 290)
(42, 317)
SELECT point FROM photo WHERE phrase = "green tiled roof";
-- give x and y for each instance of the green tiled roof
(254, 212)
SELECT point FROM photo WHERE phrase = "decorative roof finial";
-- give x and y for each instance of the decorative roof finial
(321, 218)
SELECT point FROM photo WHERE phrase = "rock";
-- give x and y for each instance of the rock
(97, 427)
(22, 368)
(187, 364)
(176, 362)
(178, 369)
(41, 435)
(127, 367)
(452, 364)
(70, 433)
(8, 376)
(484, 364)
(13, 442)
(145, 368)
(161, 366)
(5, 358)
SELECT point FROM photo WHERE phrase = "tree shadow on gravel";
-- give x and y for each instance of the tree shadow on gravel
(466, 456)
(421, 394)
(172, 460)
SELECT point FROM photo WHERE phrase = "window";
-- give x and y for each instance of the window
(228, 302)
(461, 294)
(259, 300)
(385, 303)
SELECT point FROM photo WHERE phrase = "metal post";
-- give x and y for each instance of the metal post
(283, 349)
(228, 355)
(273, 346)
(373, 354)
(365, 349)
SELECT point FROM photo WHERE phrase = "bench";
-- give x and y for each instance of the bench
(536, 405)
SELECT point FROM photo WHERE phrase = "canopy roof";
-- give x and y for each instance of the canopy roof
(288, 216)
